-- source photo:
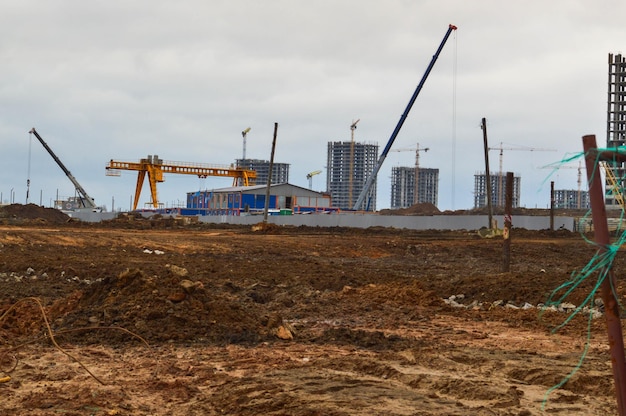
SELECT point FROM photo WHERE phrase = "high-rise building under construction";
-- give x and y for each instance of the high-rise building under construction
(616, 125)
(348, 166)
(571, 199)
(498, 190)
(280, 171)
(404, 191)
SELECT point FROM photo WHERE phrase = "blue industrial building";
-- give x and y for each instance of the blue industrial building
(284, 199)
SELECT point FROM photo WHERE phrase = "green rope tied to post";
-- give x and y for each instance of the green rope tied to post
(600, 264)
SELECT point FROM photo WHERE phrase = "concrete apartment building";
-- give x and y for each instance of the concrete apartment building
(348, 166)
(498, 190)
(404, 191)
(616, 126)
(280, 171)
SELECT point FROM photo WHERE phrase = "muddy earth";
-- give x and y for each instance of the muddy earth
(163, 317)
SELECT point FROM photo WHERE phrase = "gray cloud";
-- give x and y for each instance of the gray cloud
(102, 80)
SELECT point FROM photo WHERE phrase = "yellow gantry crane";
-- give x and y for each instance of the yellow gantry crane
(155, 168)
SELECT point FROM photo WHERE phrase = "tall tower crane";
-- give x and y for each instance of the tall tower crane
(417, 151)
(578, 181)
(310, 175)
(155, 167)
(500, 173)
(245, 135)
(351, 179)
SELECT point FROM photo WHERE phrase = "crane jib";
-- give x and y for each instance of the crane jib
(370, 180)
(86, 199)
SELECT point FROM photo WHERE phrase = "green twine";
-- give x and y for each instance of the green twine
(601, 263)
(574, 370)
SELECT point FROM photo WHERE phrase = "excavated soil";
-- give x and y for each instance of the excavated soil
(162, 317)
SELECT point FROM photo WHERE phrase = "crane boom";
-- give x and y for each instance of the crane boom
(370, 180)
(87, 201)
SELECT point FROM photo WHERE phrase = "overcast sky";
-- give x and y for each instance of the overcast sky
(121, 80)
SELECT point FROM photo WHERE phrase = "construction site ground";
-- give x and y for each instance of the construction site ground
(158, 317)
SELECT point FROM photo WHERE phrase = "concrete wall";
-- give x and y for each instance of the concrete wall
(435, 222)
(88, 216)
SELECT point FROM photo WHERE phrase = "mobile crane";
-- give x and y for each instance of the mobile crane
(86, 200)
(372, 177)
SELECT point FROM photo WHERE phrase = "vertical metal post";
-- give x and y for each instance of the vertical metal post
(552, 206)
(611, 307)
(269, 176)
(508, 219)
(483, 126)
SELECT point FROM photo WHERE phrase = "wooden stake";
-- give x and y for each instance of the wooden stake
(508, 219)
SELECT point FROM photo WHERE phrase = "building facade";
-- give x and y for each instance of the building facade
(280, 171)
(404, 191)
(498, 190)
(616, 126)
(571, 199)
(348, 166)
(284, 198)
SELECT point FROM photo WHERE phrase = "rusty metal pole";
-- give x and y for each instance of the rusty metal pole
(508, 219)
(611, 307)
(483, 126)
(269, 177)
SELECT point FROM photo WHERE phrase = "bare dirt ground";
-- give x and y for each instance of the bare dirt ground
(153, 317)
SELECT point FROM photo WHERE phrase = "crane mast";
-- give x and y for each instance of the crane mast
(351, 178)
(370, 180)
(501, 175)
(310, 175)
(417, 151)
(86, 200)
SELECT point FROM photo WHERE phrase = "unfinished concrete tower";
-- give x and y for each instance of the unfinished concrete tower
(341, 157)
(403, 186)
(280, 171)
(498, 190)
(616, 125)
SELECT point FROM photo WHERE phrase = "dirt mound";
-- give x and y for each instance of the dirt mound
(424, 208)
(161, 308)
(21, 212)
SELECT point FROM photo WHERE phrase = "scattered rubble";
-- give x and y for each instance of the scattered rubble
(564, 307)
